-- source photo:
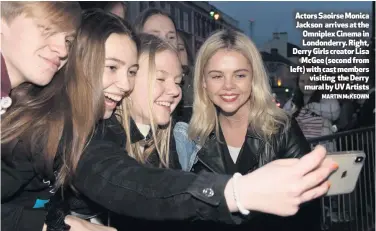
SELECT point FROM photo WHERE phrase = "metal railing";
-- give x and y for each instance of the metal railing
(354, 211)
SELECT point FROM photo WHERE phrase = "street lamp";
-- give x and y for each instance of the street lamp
(216, 16)
(279, 83)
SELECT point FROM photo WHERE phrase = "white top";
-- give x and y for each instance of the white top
(234, 152)
(144, 129)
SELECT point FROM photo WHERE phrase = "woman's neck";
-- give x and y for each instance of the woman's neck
(234, 127)
(232, 121)
(235, 120)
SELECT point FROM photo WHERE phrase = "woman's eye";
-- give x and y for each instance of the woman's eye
(112, 68)
(132, 73)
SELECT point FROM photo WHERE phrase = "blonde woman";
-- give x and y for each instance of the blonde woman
(155, 95)
(235, 126)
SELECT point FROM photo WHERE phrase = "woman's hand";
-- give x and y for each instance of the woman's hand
(281, 186)
(78, 224)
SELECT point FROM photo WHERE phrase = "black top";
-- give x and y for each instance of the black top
(24, 189)
(107, 177)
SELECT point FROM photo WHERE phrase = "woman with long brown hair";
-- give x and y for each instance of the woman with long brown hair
(36, 39)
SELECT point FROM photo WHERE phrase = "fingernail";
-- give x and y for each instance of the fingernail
(329, 184)
(335, 166)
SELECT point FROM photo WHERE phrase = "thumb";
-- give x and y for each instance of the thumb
(311, 161)
(69, 220)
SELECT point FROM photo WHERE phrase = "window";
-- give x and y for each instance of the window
(168, 8)
(195, 28)
(204, 28)
(202, 22)
(207, 32)
(177, 18)
(186, 22)
(143, 6)
(198, 28)
(213, 26)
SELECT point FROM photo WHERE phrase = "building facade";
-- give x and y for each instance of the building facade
(192, 19)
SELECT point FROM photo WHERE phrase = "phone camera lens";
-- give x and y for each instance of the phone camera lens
(359, 159)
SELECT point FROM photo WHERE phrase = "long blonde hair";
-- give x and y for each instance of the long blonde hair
(265, 118)
(150, 46)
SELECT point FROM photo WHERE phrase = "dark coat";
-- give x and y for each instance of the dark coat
(110, 180)
(255, 152)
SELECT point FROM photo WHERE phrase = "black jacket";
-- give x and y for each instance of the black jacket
(108, 177)
(24, 189)
(122, 222)
(255, 152)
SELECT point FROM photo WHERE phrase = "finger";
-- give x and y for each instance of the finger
(69, 220)
(315, 177)
(315, 192)
(329, 162)
(311, 160)
(286, 162)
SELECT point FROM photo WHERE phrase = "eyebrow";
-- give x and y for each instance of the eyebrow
(214, 71)
(115, 60)
(239, 70)
(157, 31)
(135, 65)
(166, 73)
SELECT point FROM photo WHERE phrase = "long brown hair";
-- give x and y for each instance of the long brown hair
(75, 110)
(86, 70)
